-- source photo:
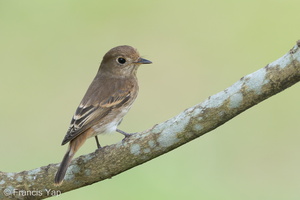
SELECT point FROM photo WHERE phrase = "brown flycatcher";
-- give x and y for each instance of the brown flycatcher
(107, 100)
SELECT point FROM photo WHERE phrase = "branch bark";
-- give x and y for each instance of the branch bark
(161, 138)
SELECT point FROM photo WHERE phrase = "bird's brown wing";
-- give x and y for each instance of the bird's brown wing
(90, 113)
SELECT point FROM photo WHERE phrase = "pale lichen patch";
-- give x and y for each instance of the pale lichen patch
(199, 118)
(151, 144)
(10, 175)
(88, 157)
(69, 176)
(167, 139)
(220, 98)
(197, 127)
(135, 149)
(236, 87)
(19, 178)
(2, 182)
(73, 169)
(146, 150)
(34, 171)
(216, 100)
(144, 134)
(87, 172)
(175, 125)
(235, 100)
(282, 62)
(255, 81)
(197, 111)
(297, 57)
(32, 174)
(169, 130)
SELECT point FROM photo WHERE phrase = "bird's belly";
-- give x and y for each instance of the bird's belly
(110, 127)
(105, 128)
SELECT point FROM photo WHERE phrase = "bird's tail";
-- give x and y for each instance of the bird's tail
(74, 145)
(61, 172)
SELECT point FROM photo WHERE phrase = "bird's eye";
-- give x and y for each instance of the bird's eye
(121, 60)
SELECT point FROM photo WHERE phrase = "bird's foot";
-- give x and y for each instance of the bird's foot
(124, 133)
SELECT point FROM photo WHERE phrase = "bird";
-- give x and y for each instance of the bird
(106, 101)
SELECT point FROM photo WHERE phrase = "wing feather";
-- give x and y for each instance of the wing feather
(88, 114)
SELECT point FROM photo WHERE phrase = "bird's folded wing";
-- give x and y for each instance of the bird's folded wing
(91, 113)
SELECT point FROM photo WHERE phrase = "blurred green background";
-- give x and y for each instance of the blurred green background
(50, 52)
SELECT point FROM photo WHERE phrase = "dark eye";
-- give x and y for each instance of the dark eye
(121, 60)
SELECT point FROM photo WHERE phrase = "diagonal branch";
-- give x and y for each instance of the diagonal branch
(162, 138)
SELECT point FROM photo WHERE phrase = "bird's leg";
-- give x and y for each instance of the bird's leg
(124, 133)
(97, 142)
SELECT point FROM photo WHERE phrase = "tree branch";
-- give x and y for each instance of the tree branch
(162, 138)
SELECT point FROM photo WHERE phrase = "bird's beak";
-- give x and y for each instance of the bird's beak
(143, 61)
